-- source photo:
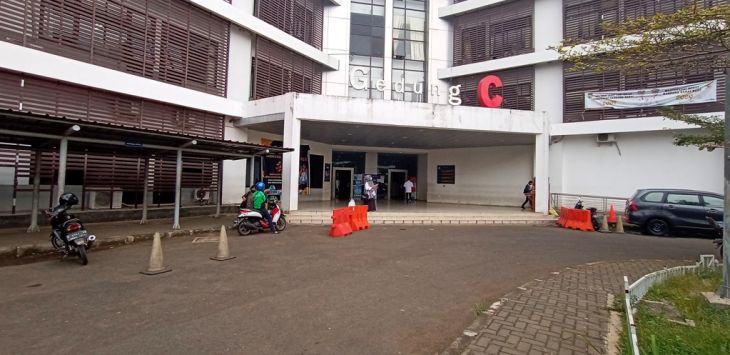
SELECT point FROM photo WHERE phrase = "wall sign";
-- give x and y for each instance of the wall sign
(445, 174)
(483, 96)
(705, 91)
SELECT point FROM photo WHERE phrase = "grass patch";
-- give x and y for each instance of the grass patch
(681, 299)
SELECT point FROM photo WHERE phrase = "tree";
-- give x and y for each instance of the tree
(695, 37)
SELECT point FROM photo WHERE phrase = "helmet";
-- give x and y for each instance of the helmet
(68, 199)
(260, 186)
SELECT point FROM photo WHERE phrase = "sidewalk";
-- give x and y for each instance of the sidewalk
(564, 314)
(16, 242)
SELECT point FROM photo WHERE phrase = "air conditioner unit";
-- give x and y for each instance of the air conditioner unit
(605, 138)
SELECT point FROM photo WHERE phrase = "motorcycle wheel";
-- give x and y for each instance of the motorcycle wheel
(281, 224)
(57, 243)
(244, 228)
(81, 250)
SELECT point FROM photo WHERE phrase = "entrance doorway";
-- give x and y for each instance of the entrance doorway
(342, 183)
(396, 179)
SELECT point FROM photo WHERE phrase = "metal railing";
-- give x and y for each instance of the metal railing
(601, 203)
(634, 292)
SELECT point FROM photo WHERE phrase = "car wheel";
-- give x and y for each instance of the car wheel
(657, 227)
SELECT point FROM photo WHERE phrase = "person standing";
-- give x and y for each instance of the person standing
(527, 191)
(408, 186)
(371, 193)
(259, 204)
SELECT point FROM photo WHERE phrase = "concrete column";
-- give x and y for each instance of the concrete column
(178, 182)
(290, 176)
(548, 76)
(145, 182)
(62, 156)
(541, 169)
(219, 193)
(36, 193)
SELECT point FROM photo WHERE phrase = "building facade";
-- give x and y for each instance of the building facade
(383, 87)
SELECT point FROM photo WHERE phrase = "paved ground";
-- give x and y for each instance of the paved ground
(387, 290)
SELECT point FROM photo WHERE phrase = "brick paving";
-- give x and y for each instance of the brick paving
(566, 313)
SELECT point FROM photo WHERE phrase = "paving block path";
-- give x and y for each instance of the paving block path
(566, 313)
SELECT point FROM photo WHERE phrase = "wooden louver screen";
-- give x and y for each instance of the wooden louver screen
(302, 19)
(494, 32)
(278, 71)
(41, 96)
(517, 92)
(170, 41)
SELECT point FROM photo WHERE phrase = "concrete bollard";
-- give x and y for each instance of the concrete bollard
(156, 265)
(223, 252)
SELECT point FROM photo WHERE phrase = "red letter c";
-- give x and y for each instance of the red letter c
(486, 100)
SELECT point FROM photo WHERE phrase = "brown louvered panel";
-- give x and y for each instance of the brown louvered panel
(517, 92)
(494, 32)
(583, 19)
(302, 19)
(633, 9)
(43, 96)
(151, 38)
(576, 84)
(278, 71)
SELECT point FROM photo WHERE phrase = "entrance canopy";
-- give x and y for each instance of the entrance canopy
(37, 130)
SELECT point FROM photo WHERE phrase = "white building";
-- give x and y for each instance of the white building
(365, 87)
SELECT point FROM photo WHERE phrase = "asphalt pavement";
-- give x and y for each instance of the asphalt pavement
(386, 290)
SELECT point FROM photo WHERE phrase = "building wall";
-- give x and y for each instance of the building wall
(647, 159)
(484, 176)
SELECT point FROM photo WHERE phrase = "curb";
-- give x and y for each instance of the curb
(26, 250)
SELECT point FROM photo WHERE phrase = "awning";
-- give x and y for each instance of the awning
(40, 130)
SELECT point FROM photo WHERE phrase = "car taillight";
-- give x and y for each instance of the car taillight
(632, 206)
(73, 227)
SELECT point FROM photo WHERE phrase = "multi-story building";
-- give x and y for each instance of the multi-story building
(392, 88)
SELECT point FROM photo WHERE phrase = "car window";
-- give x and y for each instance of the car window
(713, 202)
(683, 199)
(653, 197)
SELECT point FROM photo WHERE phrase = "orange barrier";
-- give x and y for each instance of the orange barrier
(359, 219)
(575, 219)
(341, 222)
(612, 215)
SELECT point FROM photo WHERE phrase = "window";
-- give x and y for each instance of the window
(683, 199)
(653, 197)
(446, 174)
(510, 37)
(409, 50)
(713, 202)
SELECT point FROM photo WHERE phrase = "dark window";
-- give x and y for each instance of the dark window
(446, 174)
(683, 199)
(316, 168)
(654, 197)
(713, 202)
(278, 71)
(302, 19)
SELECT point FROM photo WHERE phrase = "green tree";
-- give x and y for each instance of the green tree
(695, 37)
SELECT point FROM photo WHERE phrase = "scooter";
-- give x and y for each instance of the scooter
(68, 234)
(251, 221)
(594, 214)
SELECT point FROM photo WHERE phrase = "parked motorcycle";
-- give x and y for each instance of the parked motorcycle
(718, 230)
(68, 234)
(250, 221)
(594, 214)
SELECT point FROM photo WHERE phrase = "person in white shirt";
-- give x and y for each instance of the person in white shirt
(409, 187)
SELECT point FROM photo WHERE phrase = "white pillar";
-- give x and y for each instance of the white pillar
(36, 192)
(290, 177)
(542, 164)
(178, 182)
(62, 155)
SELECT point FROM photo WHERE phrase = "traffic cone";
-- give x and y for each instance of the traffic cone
(611, 215)
(604, 225)
(619, 225)
(223, 252)
(156, 267)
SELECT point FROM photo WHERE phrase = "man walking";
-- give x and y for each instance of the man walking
(408, 186)
(527, 191)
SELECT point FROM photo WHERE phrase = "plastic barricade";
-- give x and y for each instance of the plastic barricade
(575, 219)
(341, 222)
(362, 212)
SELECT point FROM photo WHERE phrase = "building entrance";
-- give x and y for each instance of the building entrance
(396, 179)
(342, 183)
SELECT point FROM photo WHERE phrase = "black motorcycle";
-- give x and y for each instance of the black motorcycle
(68, 234)
(594, 215)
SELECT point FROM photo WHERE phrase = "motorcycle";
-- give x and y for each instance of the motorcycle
(68, 234)
(718, 228)
(594, 215)
(250, 221)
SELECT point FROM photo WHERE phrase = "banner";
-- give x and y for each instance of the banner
(667, 96)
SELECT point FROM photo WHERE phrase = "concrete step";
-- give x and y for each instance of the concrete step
(434, 219)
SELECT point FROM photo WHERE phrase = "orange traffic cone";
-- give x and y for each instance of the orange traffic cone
(611, 215)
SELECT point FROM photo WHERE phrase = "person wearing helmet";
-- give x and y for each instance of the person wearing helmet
(259, 204)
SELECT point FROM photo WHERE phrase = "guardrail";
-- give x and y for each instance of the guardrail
(634, 292)
(601, 203)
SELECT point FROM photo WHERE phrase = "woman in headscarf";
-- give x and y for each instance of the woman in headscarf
(371, 193)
